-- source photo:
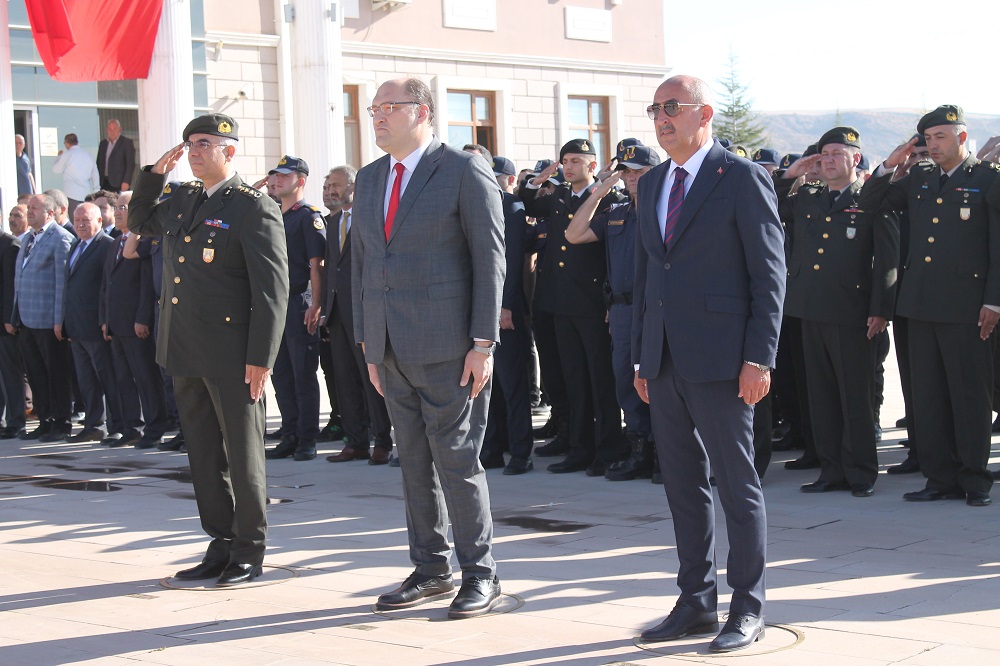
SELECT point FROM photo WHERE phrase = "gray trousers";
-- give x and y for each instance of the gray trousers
(224, 433)
(439, 433)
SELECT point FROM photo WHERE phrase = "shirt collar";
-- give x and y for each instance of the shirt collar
(410, 161)
(693, 164)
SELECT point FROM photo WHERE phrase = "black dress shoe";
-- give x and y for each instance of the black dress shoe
(478, 596)
(901, 423)
(557, 447)
(908, 466)
(58, 432)
(978, 499)
(305, 449)
(570, 464)
(597, 468)
(42, 429)
(550, 429)
(112, 439)
(130, 438)
(996, 424)
(148, 442)
(518, 466)
(682, 621)
(996, 475)
(207, 569)
(173, 444)
(285, 448)
(824, 486)
(931, 495)
(11, 433)
(274, 436)
(789, 442)
(492, 462)
(238, 573)
(88, 435)
(416, 589)
(393, 461)
(805, 462)
(740, 631)
(862, 490)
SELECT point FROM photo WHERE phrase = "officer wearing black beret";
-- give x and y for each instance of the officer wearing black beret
(225, 290)
(951, 299)
(842, 286)
(296, 386)
(570, 286)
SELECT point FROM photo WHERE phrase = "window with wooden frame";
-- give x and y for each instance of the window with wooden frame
(472, 118)
(588, 119)
(352, 127)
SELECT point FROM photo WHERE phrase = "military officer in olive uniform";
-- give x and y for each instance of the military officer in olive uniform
(842, 286)
(570, 285)
(296, 385)
(225, 292)
(951, 299)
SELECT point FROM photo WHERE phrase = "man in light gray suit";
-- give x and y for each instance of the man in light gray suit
(428, 272)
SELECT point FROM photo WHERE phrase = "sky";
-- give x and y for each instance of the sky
(878, 54)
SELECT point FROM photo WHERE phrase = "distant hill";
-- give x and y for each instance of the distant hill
(881, 129)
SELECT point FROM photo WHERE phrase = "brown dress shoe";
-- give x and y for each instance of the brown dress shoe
(348, 454)
(380, 456)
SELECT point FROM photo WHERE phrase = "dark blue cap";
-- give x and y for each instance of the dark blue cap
(503, 167)
(766, 156)
(541, 165)
(623, 144)
(557, 178)
(638, 157)
(289, 164)
(863, 164)
(789, 159)
(725, 142)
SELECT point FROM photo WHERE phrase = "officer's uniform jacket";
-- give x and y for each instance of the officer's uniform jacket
(953, 260)
(305, 238)
(842, 260)
(570, 277)
(225, 275)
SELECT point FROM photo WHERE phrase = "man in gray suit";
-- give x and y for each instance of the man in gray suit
(428, 272)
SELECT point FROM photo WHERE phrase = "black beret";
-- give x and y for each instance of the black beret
(579, 147)
(215, 124)
(766, 156)
(847, 136)
(289, 164)
(811, 150)
(789, 159)
(947, 114)
(623, 144)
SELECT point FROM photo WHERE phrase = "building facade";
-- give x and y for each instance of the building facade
(518, 76)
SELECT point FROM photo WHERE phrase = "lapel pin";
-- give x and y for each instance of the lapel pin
(720, 169)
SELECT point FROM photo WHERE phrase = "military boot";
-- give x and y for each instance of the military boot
(638, 465)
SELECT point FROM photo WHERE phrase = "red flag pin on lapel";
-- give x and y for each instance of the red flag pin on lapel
(720, 169)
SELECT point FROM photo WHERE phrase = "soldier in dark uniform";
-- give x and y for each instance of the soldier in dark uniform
(296, 386)
(572, 289)
(616, 228)
(225, 292)
(951, 299)
(842, 286)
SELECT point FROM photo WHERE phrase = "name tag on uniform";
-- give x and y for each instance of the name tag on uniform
(615, 223)
(851, 232)
(219, 224)
(965, 213)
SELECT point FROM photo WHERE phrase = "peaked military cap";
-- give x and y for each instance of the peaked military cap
(947, 114)
(638, 157)
(847, 136)
(789, 159)
(623, 145)
(766, 156)
(289, 164)
(215, 124)
(503, 167)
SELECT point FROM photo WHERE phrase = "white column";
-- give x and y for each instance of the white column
(317, 87)
(8, 168)
(166, 96)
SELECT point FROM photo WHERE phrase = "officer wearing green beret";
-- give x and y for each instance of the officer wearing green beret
(841, 285)
(951, 299)
(225, 292)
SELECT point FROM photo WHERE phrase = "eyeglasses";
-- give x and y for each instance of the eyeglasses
(385, 108)
(200, 145)
(670, 107)
(121, 207)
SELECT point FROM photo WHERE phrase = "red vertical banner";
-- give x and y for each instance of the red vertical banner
(95, 40)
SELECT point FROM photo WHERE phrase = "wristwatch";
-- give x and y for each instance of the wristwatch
(488, 350)
(762, 368)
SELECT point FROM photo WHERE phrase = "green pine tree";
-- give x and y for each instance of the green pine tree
(735, 118)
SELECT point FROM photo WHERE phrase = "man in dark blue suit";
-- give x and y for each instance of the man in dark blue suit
(91, 352)
(709, 283)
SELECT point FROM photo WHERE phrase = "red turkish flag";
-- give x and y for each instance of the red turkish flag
(95, 40)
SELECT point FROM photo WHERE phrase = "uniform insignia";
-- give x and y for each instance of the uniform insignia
(851, 232)
(196, 184)
(615, 223)
(965, 213)
(741, 152)
(218, 224)
(621, 146)
(952, 116)
(225, 128)
(542, 235)
(296, 206)
(786, 162)
(851, 136)
(154, 242)
(318, 224)
(315, 210)
(208, 255)
(584, 147)
(250, 192)
(166, 189)
(756, 155)
(629, 153)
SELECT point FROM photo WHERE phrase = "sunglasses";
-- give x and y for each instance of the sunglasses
(670, 107)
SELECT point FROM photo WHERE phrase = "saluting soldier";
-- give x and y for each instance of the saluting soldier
(951, 299)
(842, 286)
(225, 292)
(296, 386)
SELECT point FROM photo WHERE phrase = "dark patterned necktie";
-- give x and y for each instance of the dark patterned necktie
(674, 204)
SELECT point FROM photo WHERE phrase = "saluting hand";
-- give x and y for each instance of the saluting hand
(256, 377)
(169, 160)
(549, 171)
(801, 167)
(899, 156)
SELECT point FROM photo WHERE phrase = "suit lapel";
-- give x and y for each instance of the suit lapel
(425, 167)
(711, 172)
(40, 241)
(650, 196)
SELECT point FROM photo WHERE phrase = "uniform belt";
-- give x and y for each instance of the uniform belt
(622, 298)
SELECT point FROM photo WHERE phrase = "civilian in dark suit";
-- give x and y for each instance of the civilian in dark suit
(428, 270)
(38, 312)
(116, 159)
(11, 375)
(127, 304)
(91, 352)
(361, 406)
(709, 284)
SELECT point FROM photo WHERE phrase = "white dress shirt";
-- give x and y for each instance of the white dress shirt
(79, 172)
(409, 164)
(692, 166)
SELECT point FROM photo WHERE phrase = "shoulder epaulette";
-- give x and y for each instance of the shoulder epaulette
(194, 184)
(249, 191)
(315, 210)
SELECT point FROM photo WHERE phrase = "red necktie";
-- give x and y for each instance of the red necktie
(390, 214)
(674, 205)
